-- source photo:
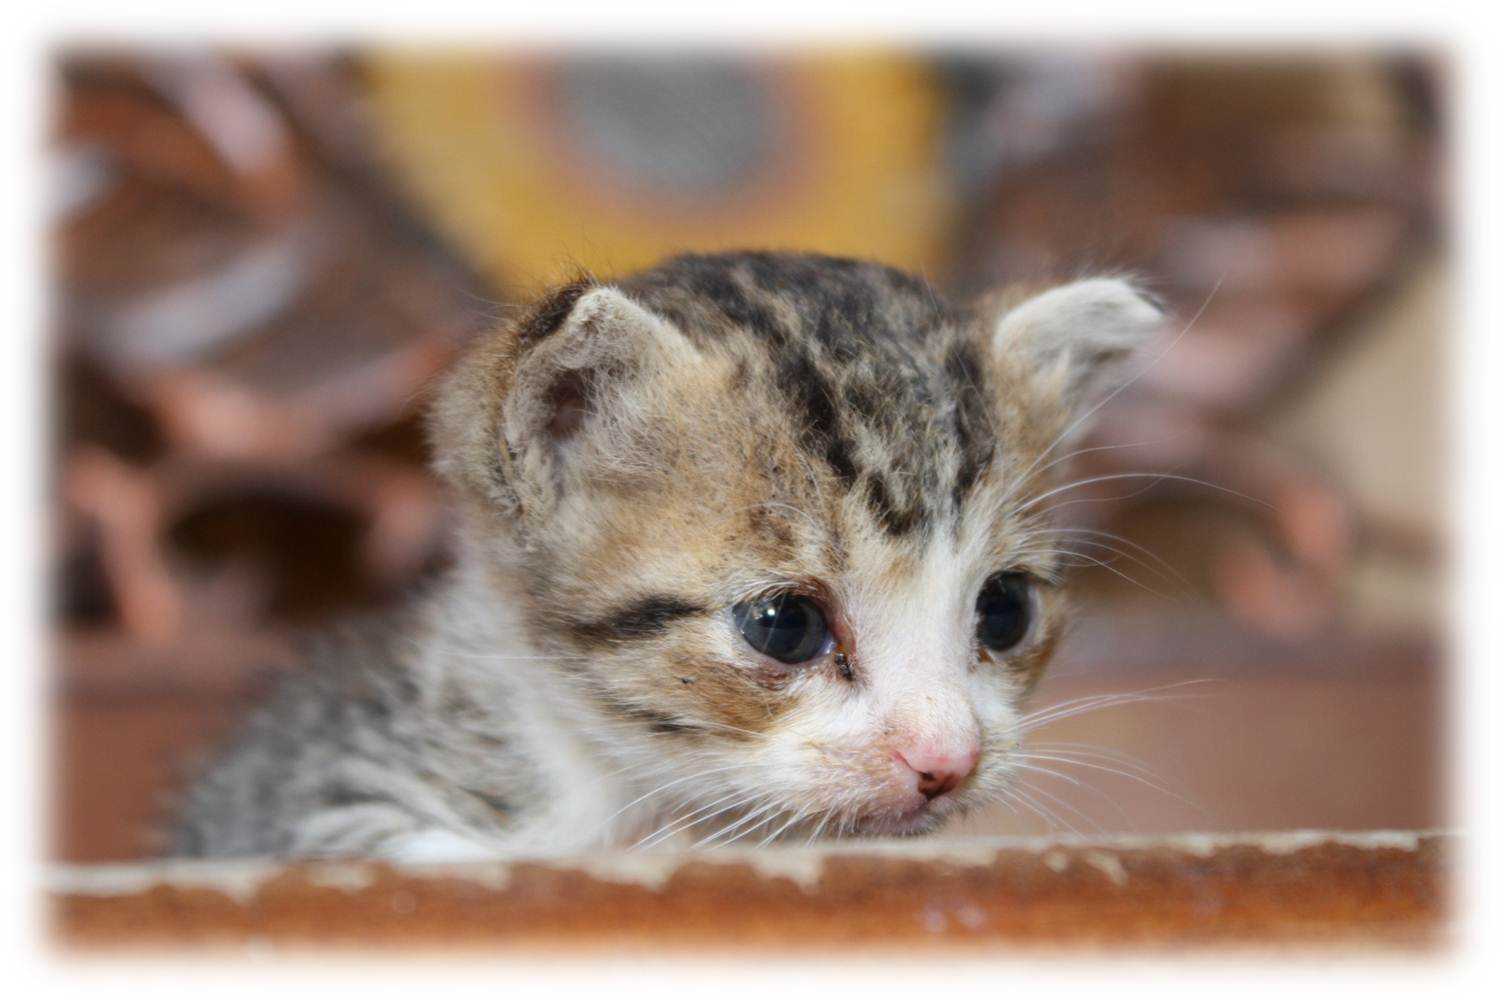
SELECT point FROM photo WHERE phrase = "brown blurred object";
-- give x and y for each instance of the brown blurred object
(245, 322)
(1274, 202)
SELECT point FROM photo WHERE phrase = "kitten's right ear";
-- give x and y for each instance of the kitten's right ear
(590, 391)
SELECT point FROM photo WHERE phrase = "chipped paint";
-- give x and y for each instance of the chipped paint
(1108, 864)
(803, 867)
(239, 881)
(653, 872)
(491, 874)
(1288, 842)
(1350, 888)
(350, 877)
(242, 880)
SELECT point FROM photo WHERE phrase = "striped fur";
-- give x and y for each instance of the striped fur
(631, 460)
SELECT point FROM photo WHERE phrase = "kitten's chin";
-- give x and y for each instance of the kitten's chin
(920, 819)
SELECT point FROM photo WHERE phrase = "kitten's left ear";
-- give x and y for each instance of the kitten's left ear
(1077, 336)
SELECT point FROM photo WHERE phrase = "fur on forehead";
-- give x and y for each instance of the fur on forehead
(886, 389)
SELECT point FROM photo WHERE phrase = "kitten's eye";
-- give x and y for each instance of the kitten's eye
(788, 627)
(1004, 610)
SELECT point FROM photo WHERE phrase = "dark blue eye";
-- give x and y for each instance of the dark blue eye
(787, 627)
(1004, 610)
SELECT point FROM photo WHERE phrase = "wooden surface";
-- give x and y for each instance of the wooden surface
(1287, 891)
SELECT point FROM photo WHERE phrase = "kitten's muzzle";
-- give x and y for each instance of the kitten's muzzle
(937, 771)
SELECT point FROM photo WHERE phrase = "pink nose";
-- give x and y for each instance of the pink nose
(938, 771)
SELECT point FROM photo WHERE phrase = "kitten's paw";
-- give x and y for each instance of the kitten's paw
(438, 846)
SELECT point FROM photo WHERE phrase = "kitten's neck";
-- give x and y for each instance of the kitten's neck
(479, 646)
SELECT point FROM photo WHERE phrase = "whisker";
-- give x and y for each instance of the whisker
(827, 816)
(1047, 816)
(1191, 804)
(1110, 477)
(667, 830)
(1111, 771)
(1106, 565)
(1110, 755)
(1070, 808)
(1028, 764)
(1106, 448)
(769, 818)
(742, 820)
(668, 785)
(1008, 799)
(777, 833)
(1047, 714)
(1163, 567)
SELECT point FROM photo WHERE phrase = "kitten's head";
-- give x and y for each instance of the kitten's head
(781, 520)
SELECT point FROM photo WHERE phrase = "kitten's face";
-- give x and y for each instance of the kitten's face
(781, 520)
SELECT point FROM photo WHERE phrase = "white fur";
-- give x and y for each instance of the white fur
(439, 845)
(1074, 330)
(916, 685)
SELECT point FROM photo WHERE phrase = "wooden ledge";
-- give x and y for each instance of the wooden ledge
(1301, 889)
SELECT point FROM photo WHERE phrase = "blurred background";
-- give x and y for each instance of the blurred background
(260, 259)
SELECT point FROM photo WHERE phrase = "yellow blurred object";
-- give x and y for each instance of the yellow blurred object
(541, 166)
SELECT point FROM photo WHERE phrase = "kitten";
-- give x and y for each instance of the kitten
(752, 547)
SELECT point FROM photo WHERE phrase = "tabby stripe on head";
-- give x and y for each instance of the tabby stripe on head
(642, 619)
(896, 521)
(814, 401)
(548, 314)
(658, 722)
(972, 425)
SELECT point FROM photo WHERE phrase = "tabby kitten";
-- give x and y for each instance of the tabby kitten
(751, 548)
